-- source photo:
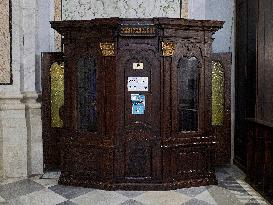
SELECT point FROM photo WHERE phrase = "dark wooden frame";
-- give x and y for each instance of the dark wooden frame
(100, 159)
(51, 136)
(245, 74)
(253, 88)
(223, 132)
(260, 157)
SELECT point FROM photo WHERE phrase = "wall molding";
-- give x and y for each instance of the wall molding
(58, 17)
(185, 9)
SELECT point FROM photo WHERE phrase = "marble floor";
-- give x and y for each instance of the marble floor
(44, 190)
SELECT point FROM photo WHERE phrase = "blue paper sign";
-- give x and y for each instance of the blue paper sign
(138, 104)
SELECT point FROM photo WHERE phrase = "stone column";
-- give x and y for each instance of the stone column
(38, 38)
(13, 132)
(28, 88)
(13, 136)
(20, 115)
(34, 133)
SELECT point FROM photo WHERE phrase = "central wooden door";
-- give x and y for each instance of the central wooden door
(138, 113)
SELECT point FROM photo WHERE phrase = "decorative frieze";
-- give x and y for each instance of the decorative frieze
(138, 30)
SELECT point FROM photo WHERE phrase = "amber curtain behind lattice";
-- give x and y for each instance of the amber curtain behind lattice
(57, 93)
(218, 95)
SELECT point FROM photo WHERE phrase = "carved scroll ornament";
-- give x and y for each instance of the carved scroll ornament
(107, 49)
(168, 48)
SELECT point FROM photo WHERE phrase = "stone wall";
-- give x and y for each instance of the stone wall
(197, 9)
(21, 152)
(222, 10)
(89, 9)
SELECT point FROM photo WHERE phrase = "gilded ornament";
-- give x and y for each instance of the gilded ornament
(168, 48)
(107, 49)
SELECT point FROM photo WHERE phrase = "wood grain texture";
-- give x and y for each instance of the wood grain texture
(141, 152)
(253, 122)
(260, 156)
(247, 45)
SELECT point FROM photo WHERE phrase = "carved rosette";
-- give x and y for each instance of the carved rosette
(168, 48)
(107, 49)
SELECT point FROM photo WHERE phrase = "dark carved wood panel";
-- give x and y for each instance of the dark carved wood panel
(51, 136)
(139, 158)
(84, 164)
(188, 91)
(130, 150)
(245, 73)
(86, 94)
(253, 69)
(264, 108)
(81, 160)
(141, 132)
(186, 49)
(190, 161)
(184, 163)
(246, 14)
(260, 156)
(253, 137)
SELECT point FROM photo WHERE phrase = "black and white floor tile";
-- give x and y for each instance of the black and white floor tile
(44, 190)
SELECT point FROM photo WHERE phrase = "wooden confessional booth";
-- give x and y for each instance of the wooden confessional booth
(137, 103)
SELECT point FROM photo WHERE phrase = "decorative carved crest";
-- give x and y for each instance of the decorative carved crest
(168, 48)
(107, 49)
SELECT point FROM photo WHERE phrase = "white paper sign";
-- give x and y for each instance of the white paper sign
(137, 83)
(138, 66)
